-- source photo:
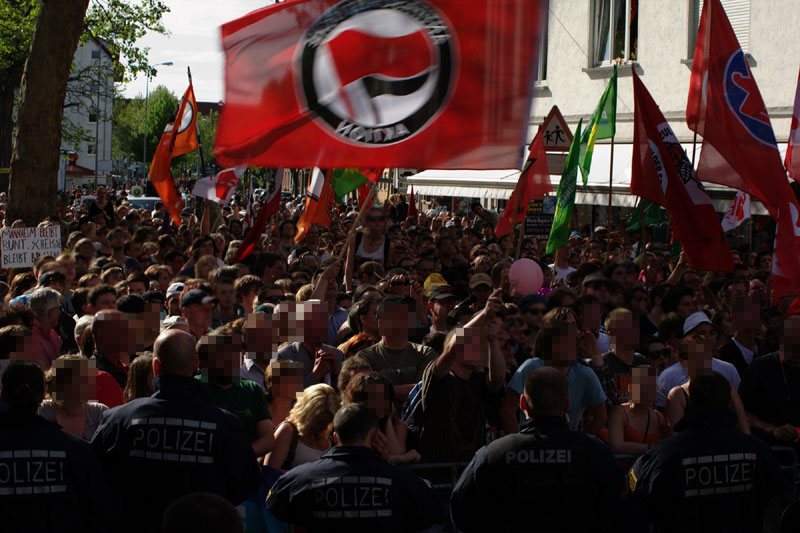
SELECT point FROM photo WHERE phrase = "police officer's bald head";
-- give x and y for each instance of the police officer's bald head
(174, 354)
(545, 393)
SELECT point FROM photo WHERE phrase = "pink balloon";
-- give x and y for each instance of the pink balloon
(525, 276)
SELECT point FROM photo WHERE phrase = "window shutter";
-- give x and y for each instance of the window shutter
(738, 12)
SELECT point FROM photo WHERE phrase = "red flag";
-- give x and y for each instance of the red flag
(270, 203)
(363, 192)
(319, 198)
(792, 161)
(412, 205)
(409, 84)
(739, 147)
(661, 173)
(533, 181)
(174, 141)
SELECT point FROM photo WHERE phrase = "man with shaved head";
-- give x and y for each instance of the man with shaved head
(534, 477)
(158, 449)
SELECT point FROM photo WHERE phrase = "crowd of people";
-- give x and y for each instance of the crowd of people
(151, 383)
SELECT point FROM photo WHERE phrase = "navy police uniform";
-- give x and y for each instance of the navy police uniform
(544, 478)
(710, 477)
(49, 480)
(351, 489)
(160, 448)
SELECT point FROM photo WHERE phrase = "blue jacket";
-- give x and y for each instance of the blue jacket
(155, 450)
(544, 478)
(50, 481)
(711, 477)
(351, 489)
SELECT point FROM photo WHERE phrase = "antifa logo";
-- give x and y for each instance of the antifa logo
(744, 100)
(377, 71)
(187, 117)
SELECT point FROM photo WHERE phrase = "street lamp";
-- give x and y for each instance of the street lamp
(146, 98)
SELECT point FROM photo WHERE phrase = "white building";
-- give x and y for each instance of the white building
(89, 105)
(582, 40)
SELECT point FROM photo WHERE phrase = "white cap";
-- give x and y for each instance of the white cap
(694, 320)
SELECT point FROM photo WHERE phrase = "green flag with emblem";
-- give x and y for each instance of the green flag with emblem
(559, 231)
(602, 126)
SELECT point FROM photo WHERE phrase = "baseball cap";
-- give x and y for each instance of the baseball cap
(154, 297)
(431, 282)
(174, 288)
(575, 235)
(694, 320)
(173, 321)
(442, 292)
(599, 229)
(529, 300)
(372, 267)
(480, 279)
(197, 296)
(265, 308)
(450, 224)
(597, 277)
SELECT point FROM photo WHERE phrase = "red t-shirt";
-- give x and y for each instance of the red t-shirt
(108, 390)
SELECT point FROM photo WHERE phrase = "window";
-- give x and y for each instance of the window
(91, 149)
(541, 68)
(92, 118)
(738, 12)
(615, 33)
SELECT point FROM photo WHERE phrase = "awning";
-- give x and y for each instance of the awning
(499, 184)
(77, 170)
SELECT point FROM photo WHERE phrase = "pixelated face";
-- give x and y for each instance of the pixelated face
(643, 385)
(397, 320)
(564, 346)
(23, 349)
(261, 334)
(591, 316)
(75, 380)
(378, 399)
(623, 332)
(699, 358)
(287, 382)
(224, 355)
(468, 342)
(790, 341)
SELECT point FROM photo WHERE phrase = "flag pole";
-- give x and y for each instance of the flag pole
(361, 213)
(197, 129)
(694, 148)
(641, 223)
(610, 184)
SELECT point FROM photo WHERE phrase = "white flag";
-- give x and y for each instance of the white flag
(219, 188)
(738, 212)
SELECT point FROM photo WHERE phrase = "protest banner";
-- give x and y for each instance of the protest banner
(22, 246)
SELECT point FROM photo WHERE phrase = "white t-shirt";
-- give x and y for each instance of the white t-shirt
(560, 272)
(676, 375)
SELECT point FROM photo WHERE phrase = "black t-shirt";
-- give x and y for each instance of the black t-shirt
(622, 372)
(771, 391)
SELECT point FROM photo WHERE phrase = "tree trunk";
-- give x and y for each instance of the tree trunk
(34, 162)
(9, 83)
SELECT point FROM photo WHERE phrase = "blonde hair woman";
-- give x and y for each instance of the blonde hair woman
(204, 266)
(305, 434)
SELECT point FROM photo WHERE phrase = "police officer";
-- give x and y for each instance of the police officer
(544, 478)
(351, 489)
(160, 448)
(710, 477)
(49, 480)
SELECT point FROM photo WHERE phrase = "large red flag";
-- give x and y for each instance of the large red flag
(400, 83)
(792, 161)
(270, 203)
(412, 205)
(533, 181)
(174, 141)
(739, 147)
(661, 173)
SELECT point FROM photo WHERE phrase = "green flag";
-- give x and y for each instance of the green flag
(346, 180)
(559, 232)
(652, 215)
(602, 126)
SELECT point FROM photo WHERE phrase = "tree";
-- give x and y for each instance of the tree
(128, 119)
(118, 23)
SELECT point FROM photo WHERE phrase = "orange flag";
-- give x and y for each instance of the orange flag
(174, 141)
(318, 199)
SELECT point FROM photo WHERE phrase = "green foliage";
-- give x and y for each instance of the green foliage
(206, 131)
(129, 119)
(17, 22)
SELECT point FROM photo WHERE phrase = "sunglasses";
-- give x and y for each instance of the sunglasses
(657, 354)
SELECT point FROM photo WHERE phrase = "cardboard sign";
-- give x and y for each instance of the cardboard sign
(22, 246)
(539, 217)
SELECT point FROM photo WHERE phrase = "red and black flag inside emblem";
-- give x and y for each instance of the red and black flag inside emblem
(398, 83)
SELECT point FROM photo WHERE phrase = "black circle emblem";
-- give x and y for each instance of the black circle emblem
(376, 72)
